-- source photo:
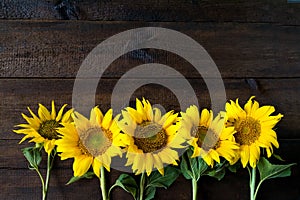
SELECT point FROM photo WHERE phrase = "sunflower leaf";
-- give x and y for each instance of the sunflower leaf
(192, 168)
(186, 172)
(201, 167)
(269, 171)
(87, 175)
(150, 193)
(164, 181)
(218, 171)
(127, 183)
(33, 156)
(233, 168)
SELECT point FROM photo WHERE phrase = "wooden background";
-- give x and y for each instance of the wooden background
(41, 52)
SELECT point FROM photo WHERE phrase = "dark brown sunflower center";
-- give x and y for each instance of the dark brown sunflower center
(247, 131)
(150, 137)
(95, 141)
(207, 138)
(48, 129)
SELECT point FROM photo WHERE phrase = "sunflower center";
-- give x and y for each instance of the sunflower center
(150, 137)
(207, 138)
(248, 131)
(95, 141)
(48, 129)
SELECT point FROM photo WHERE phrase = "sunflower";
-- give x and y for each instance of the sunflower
(254, 129)
(43, 128)
(209, 137)
(90, 142)
(152, 137)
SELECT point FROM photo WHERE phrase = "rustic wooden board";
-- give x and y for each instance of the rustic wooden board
(196, 10)
(41, 54)
(17, 94)
(11, 156)
(57, 48)
(232, 187)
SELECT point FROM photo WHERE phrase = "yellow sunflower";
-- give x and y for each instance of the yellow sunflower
(209, 137)
(43, 128)
(151, 136)
(254, 129)
(90, 142)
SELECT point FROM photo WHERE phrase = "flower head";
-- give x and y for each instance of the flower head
(43, 128)
(152, 137)
(209, 137)
(254, 129)
(91, 142)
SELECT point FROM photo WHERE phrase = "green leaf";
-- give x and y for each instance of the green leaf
(150, 193)
(233, 168)
(33, 156)
(164, 181)
(87, 175)
(186, 172)
(192, 168)
(218, 171)
(127, 183)
(200, 169)
(269, 171)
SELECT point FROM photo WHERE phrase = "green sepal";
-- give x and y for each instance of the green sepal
(87, 175)
(278, 157)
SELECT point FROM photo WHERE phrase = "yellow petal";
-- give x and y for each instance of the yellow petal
(96, 167)
(44, 113)
(60, 112)
(81, 165)
(53, 111)
(244, 155)
(193, 113)
(107, 119)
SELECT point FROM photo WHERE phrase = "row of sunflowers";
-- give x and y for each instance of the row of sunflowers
(158, 146)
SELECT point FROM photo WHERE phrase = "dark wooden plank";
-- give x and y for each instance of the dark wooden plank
(57, 48)
(17, 94)
(11, 156)
(164, 10)
(15, 185)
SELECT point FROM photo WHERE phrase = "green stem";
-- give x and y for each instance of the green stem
(103, 183)
(195, 188)
(142, 186)
(49, 167)
(42, 181)
(257, 188)
(252, 183)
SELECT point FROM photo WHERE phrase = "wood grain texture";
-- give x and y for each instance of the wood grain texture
(57, 48)
(17, 94)
(14, 187)
(255, 45)
(265, 11)
(11, 156)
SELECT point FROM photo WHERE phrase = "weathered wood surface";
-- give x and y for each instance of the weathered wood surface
(17, 94)
(57, 48)
(233, 187)
(41, 54)
(14, 159)
(164, 10)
